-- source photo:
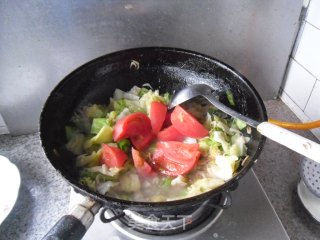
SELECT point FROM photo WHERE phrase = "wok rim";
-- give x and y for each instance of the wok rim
(126, 204)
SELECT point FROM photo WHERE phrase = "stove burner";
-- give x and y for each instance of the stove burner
(189, 223)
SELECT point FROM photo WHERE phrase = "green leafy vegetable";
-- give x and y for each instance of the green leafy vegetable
(94, 175)
(70, 131)
(240, 124)
(88, 160)
(119, 105)
(129, 182)
(97, 124)
(230, 97)
(124, 145)
(87, 181)
(96, 111)
(142, 91)
(75, 144)
(166, 182)
(103, 136)
(111, 118)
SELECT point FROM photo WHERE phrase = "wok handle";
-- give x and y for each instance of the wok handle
(68, 227)
(291, 140)
(74, 225)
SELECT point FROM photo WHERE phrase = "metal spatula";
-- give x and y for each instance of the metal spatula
(280, 135)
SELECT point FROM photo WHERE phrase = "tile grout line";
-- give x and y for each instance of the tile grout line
(312, 25)
(292, 100)
(300, 64)
(315, 82)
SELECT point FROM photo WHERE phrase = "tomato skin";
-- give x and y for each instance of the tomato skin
(112, 156)
(132, 125)
(141, 142)
(186, 124)
(170, 134)
(142, 167)
(175, 158)
(158, 113)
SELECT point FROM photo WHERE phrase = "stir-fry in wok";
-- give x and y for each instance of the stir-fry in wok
(135, 149)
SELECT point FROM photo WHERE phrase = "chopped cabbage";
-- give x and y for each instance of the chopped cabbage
(111, 118)
(222, 152)
(166, 182)
(88, 160)
(104, 187)
(97, 124)
(75, 144)
(95, 111)
(98, 176)
(129, 182)
(103, 136)
(105, 170)
(240, 124)
(203, 185)
(179, 181)
(151, 96)
(223, 168)
(124, 113)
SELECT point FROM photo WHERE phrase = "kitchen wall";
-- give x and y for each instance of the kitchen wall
(301, 88)
(42, 41)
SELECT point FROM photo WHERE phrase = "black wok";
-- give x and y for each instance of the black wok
(166, 69)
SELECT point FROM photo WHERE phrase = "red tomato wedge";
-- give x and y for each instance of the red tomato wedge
(142, 167)
(186, 124)
(112, 156)
(132, 125)
(170, 134)
(158, 113)
(141, 142)
(175, 158)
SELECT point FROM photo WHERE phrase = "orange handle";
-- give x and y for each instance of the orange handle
(296, 126)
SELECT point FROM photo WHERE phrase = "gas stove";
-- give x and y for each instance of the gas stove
(251, 216)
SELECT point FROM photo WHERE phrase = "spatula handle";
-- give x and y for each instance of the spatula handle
(291, 140)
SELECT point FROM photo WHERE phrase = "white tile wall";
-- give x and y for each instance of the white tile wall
(308, 51)
(313, 16)
(301, 91)
(313, 108)
(300, 114)
(299, 84)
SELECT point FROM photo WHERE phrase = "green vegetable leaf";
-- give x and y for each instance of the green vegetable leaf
(103, 136)
(70, 132)
(90, 183)
(212, 111)
(97, 124)
(230, 97)
(167, 97)
(75, 144)
(111, 118)
(142, 91)
(124, 145)
(94, 175)
(88, 160)
(96, 111)
(240, 124)
(119, 105)
(166, 182)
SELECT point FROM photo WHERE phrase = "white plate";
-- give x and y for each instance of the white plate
(9, 186)
(310, 201)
